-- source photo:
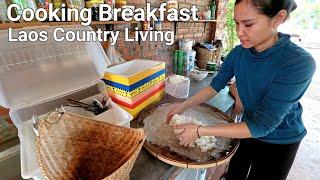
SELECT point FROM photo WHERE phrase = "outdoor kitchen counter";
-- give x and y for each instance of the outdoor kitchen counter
(147, 167)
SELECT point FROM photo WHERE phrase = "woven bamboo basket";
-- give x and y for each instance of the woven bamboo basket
(203, 56)
(175, 159)
(75, 147)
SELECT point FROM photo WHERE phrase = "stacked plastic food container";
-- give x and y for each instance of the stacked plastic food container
(136, 84)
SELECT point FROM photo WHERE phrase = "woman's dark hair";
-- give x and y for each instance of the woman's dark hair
(271, 8)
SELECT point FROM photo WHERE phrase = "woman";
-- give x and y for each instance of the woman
(272, 74)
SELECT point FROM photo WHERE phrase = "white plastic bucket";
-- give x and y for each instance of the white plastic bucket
(178, 89)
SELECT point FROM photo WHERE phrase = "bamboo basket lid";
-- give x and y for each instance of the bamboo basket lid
(175, 159)
(75, 147)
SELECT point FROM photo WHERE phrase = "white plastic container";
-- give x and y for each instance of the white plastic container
(115, 115)
(178, 89)
(38, 77)
(198, 75)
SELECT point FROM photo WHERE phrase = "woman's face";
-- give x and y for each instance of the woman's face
(253, 28)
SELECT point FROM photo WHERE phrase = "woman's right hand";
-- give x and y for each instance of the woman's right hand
(203, 95)
(238, 107)
(176, 108)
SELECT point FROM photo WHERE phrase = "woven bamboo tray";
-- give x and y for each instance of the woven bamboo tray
(75, 147)
(172, 158)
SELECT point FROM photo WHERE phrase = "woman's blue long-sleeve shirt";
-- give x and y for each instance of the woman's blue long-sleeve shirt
(270, 84)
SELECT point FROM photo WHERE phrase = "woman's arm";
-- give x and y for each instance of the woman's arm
(238, 107)
(232, 130)
(286, 89)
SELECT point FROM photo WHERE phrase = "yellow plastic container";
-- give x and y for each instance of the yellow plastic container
(133, 71)
(137, 91)
(153, 99)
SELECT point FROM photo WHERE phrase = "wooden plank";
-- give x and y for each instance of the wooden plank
(205, 21)
(13, 151)
(172, 173)
(191, 21)
(217, 172)
(31, 24)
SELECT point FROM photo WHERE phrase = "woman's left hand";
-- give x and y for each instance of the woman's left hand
(188, 135)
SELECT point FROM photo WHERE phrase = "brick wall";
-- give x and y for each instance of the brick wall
(159, 50)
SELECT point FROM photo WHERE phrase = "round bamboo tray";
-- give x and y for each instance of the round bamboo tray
(75, 147)
(172, 158)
